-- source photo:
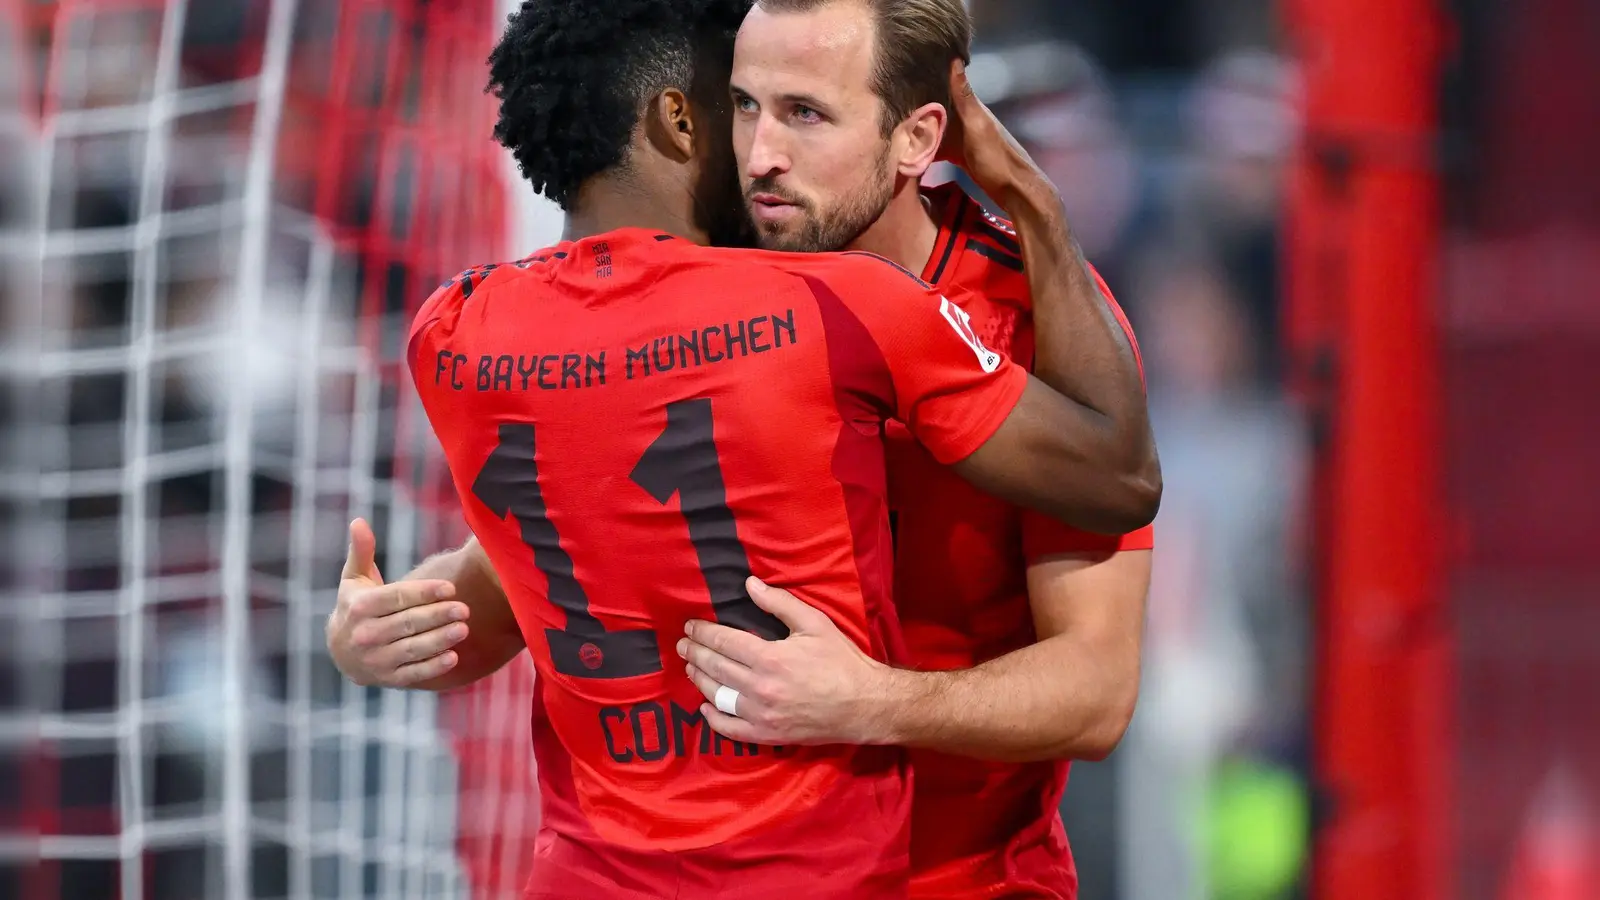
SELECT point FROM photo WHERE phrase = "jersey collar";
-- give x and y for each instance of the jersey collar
(953, 208)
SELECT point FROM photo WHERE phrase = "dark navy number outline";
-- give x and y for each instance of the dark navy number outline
(682, 461)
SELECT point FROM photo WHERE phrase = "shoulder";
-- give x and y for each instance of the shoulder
(856, 275)
(472, 284)
(853, 271)
(445, 301)
(884, 268)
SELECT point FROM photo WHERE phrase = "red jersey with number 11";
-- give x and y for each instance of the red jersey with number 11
(634, 425)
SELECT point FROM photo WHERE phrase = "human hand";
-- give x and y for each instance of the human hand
(391, 635)
(813, 687)
(978, 142)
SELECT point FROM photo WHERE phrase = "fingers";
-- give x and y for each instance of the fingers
(395, 635)
(969, 110)
(421, 647)
(801, 617)
(960, 85)
(745, 726)
(402, 649)
(372, 634)
(961, 93)
(703, 682)
(361, 559)
(952, 148)
(732, 727)
(382, 630)
(739, 646)
(716, 666)
(426, 670)
(398, 597)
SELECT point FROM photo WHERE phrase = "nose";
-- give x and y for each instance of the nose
(768, 149)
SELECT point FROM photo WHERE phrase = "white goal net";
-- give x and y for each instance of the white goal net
(215, 219)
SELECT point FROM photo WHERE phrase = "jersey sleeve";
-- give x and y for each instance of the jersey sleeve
(1043, 536)
(950, 390)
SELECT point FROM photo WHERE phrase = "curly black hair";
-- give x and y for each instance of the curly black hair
(573, 76)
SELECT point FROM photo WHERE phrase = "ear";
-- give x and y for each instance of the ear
(669, 124)
(917, 139)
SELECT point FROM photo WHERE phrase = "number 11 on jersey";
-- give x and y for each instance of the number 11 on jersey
(682, 461)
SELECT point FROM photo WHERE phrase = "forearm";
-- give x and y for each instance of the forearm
(453, 565)
(1081, 349)
(492, 636)
(1046, 701)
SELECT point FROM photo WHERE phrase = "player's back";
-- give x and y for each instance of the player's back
(636, 424)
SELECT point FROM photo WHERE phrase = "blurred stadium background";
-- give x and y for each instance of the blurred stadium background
(1360, 240)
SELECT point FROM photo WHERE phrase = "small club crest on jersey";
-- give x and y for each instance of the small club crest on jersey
(962, 323)
(591, 657)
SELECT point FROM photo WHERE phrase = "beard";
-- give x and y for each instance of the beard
(827, 230)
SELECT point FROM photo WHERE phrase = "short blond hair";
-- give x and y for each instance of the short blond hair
(916, 42)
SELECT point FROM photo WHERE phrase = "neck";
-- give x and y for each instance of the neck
(609, 202)
(905, 233)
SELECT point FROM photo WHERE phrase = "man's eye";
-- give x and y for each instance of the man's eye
(807, 114)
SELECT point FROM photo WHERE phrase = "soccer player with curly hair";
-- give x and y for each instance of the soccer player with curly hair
(637, 423)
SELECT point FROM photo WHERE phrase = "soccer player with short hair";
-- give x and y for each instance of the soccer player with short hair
(635, 424)
(1023, 634)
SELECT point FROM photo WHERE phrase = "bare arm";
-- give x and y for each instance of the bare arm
(1084, 353)
(1082, 350)
(445, 625)
(1070, 695)
(1092, 429)
(1044, 457)
(493, 638)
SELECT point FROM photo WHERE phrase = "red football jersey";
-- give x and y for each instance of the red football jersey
(634, 425)
(979, 828)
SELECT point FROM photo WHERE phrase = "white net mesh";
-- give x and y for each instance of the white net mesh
(218, 216)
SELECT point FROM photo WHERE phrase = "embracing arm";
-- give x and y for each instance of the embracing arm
(1093, 427)
(1070, 695)
(1084, 352)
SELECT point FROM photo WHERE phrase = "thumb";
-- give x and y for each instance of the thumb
(801, 617)
(952, 147)
(361, 561)
(960, 85)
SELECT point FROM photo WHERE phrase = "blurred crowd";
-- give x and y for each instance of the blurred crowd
(1173, 172)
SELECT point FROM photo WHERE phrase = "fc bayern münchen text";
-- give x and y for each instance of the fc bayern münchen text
(707, 345)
